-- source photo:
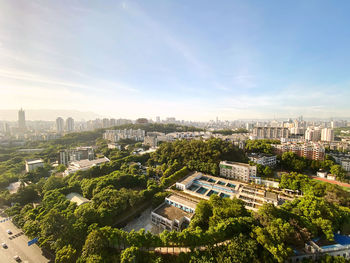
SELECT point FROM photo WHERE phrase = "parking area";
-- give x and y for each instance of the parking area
(17, 245)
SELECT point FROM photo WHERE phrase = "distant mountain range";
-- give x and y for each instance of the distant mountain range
(48, 115)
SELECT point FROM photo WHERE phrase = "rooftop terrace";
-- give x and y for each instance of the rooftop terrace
(172, 212)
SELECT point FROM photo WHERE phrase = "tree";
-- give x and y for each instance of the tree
(130, 255)
(273, 238)
(240, 249)
(66, 254)
(338, 171)
(95, 243)
(61, 168)
(201, 217)
(268, 172)
(52, 183)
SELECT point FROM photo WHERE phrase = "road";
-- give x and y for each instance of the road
(18, 245)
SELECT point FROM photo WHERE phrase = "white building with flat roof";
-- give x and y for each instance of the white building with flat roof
(33, 164)
(263, 159)
(202, 186)
(237, 171)
(174, 214)
(84, 165)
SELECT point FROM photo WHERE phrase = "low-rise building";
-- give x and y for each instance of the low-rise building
(237, 171)
(321, 174)
(345, 164)
(151, 141)
(174, 214)
(203, 186)
(264, 182)
(84, 165)
(263, 159)
(318, 247)
(33, 164)
(343, 159)
(331, 177)
(77, 198)
(114, 146)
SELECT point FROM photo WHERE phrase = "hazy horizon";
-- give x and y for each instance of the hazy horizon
(190, 60)
(52, 114)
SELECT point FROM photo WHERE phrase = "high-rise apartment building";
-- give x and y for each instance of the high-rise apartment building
(327, 135)
(312, 151)
(105, 123)
(59, 125)
(116, 135)
(270, 132)
(313, 134)
(21, 120)
(70, 124)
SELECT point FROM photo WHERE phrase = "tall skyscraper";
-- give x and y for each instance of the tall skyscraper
(158, 119)
(70, 124)
(21, 120)
(59, 124)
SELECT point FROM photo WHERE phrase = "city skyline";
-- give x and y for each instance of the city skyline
(193, 61)
(11, 115)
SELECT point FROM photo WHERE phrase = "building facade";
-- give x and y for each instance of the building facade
(21, 120)
(312, 151)
(270, 132)
(327, 135)
(237, 171)
(59, 125)
(117, 135)
(33, 164)
(174, 214)
(77, 154)
(70, 124)
(263, 159)
(313, 134)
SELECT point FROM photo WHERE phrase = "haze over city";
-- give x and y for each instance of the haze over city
(194, 60)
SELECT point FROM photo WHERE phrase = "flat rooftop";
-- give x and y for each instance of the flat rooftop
(172, 212)
(34, 161)
(181, 200)
(190, 177)
(88, 163)
(234, 163)
(271, 196)
(259, 155)
(77, 198)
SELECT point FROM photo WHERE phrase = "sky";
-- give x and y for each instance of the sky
(193, 60)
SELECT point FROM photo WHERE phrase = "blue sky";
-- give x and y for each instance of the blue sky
(189, 59)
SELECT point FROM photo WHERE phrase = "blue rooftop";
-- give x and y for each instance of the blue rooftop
(342, 239)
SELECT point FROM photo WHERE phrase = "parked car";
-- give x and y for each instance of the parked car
(4, 245)
(9, 232)
(17, 258)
